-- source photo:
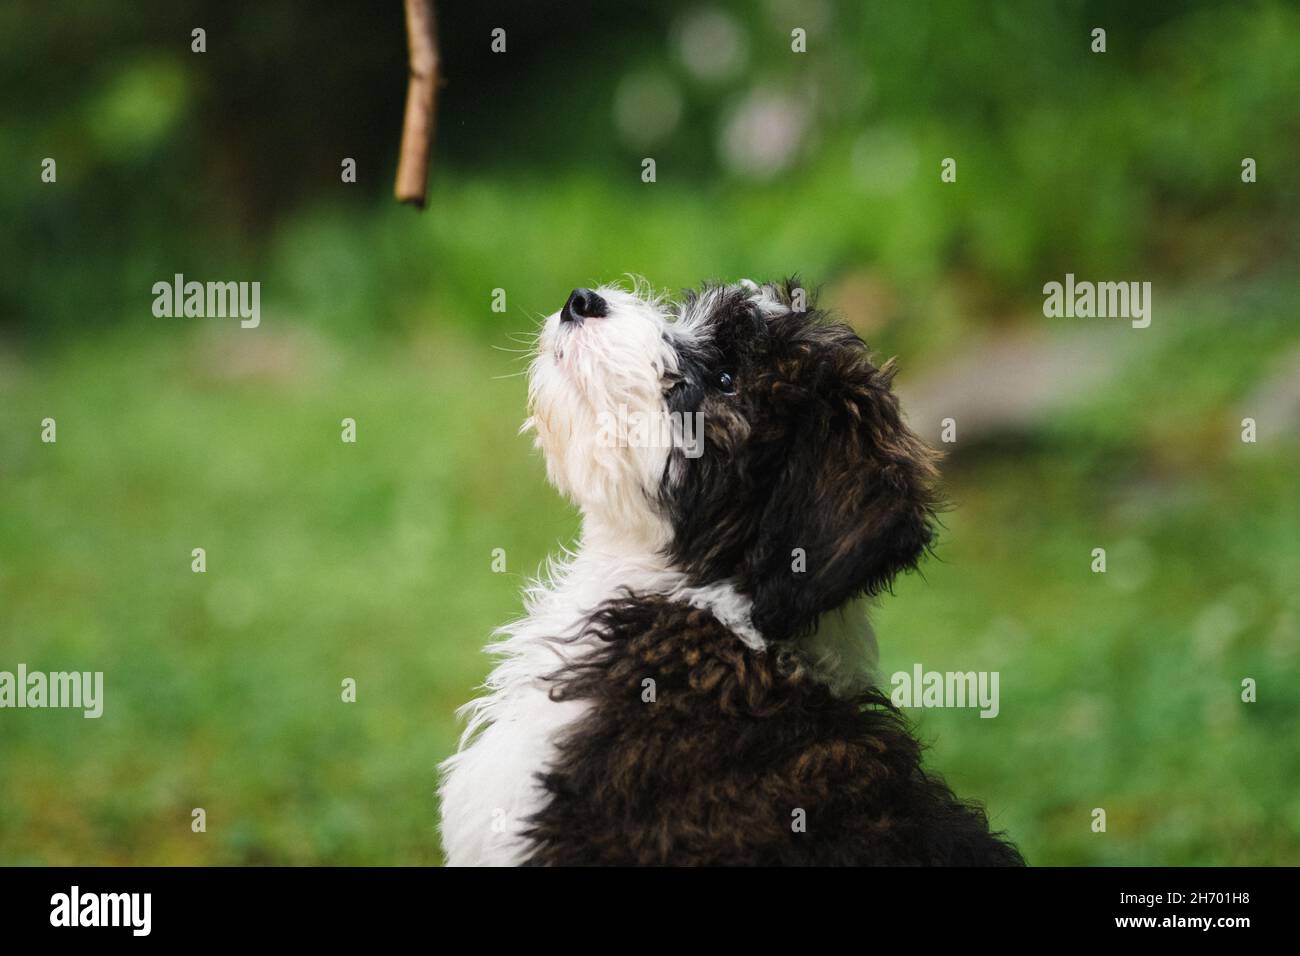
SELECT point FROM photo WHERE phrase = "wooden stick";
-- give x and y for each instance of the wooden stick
(421, 93)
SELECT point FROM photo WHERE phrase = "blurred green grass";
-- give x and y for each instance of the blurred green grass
(325, 560)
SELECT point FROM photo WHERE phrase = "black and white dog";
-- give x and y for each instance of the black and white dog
(691, 685)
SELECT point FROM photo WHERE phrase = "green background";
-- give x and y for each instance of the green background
(373, 561)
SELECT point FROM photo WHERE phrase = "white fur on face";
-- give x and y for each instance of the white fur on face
(588, 381)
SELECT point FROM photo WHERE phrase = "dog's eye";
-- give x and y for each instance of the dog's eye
(726, 383)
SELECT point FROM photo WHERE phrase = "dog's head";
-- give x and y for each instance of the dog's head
(743, 435)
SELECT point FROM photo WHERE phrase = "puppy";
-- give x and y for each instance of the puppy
(691, 685)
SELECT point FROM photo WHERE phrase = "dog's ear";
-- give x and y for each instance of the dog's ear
(853, 504)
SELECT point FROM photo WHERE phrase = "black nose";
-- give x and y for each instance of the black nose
(583, 304)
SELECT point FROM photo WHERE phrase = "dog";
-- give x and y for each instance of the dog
(690, 686)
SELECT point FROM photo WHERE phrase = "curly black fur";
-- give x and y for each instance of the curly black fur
(806, 451)
(714, 770)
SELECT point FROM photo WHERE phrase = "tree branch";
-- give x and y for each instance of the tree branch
(421, 95)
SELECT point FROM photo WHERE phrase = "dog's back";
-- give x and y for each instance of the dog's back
(698, 750)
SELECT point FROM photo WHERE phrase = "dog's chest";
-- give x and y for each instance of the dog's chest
(490, 788)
